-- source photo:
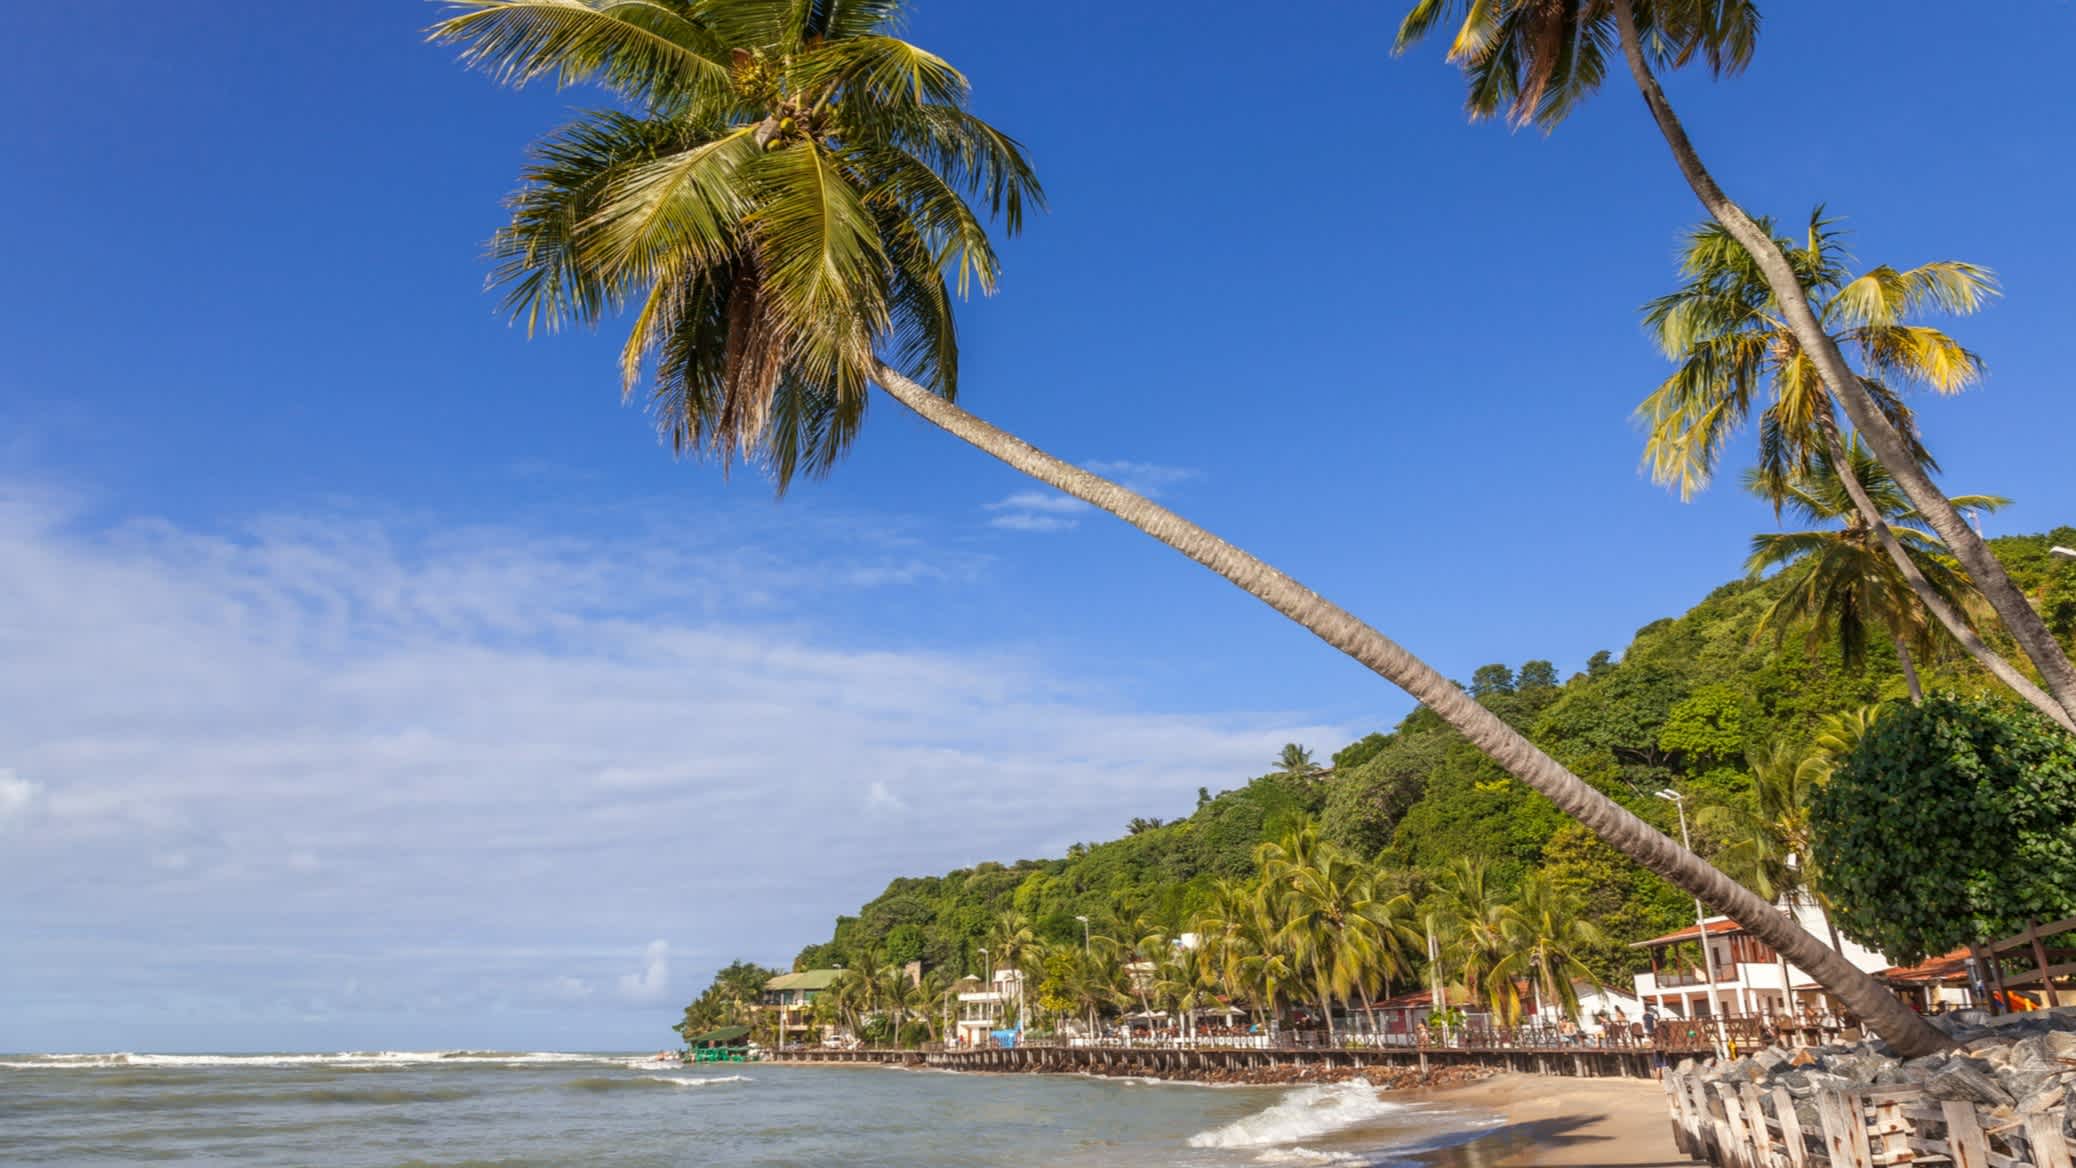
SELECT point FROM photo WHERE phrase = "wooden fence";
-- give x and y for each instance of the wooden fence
(2050, 947)
(1742, 1125)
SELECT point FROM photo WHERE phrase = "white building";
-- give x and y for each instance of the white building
(984, 1008)
(1750, 977)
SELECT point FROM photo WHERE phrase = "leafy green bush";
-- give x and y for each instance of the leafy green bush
(1954, 821)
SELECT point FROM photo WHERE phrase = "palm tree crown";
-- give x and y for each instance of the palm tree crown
(793, 203)
(1840, 583)
(1735, 350)
(1537, 59)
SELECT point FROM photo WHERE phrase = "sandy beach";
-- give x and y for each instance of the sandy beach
(1580, 1123)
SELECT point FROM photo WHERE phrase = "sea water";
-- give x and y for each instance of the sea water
(512, 1109)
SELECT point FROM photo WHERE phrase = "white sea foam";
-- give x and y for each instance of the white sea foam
(711, 1080)
(357, 1058)
(1305, 1113)
(1307, 1156)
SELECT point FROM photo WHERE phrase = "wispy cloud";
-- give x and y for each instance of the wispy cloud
(1050, 511)
(1036, 511)
(1150, 479)
(450, 764)
(652, 981)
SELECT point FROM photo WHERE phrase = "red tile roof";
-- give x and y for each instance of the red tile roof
(1953, 967)
(1715, 929)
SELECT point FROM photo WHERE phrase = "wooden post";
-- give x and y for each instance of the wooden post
(1845, 1129)
(1964, 1139)
(1790, 1128)
(1739, 1148)
(1708, 1129)
(2040, 964)
(1755, 1118)
(2044, 1135)
(1676, 1108)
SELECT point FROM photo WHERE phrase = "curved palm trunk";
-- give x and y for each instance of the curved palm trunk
(1903, 1029)
(1948, 617)
(1917, 692)
(1888, 445)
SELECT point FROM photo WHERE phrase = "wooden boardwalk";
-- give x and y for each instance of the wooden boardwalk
(1183, 1059)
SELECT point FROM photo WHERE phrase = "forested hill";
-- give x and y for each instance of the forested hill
(1684, 706)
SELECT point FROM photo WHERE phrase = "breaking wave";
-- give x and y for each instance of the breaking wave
(627, 1082)
(1306, 1113)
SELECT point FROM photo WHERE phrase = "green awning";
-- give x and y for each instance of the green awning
(725, 1036)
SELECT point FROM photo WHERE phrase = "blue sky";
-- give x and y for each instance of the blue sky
(374, 679)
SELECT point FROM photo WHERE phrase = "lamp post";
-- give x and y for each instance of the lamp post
(2062, 551)
(1708, 961)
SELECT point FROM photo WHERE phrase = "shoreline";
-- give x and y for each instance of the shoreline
(1560, 1122)
(1557, 1121)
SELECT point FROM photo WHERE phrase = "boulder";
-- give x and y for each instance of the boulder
(1959, 1080)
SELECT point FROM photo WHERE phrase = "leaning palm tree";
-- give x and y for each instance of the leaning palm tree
(1538, 59)
(1838, 584)
(786, 213)
(1738, 357)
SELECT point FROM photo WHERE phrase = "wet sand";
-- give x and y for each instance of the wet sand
(1549, 1120)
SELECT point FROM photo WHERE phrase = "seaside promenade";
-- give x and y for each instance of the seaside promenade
(1527, 1049)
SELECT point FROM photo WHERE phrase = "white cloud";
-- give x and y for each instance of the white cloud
(1021, 521)
(1050, 511)
(1040, 501)
(1036, 511)
(489, 755)
(1147, 478)
(17, 795)
(652, 983)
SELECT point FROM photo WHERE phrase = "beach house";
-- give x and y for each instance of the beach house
(791, 997)
(1738, 973)
(986, 1007)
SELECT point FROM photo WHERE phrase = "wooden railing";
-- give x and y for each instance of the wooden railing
(2050, 947)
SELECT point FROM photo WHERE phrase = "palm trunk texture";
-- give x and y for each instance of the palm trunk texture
(1907, 1033)
(1889, 446)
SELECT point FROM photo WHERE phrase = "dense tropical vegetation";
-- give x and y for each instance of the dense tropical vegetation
(787, 206)
(1323, 884)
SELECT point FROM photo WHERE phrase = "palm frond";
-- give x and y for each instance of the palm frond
(652, 51)
(887, 71)
(824, 264)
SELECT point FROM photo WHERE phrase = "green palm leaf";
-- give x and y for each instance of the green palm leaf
(653, 51)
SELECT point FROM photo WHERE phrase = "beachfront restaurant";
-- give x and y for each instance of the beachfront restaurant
(1739, 974)
(727, 1044)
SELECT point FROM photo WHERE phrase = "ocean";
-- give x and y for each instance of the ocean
(508, 1109)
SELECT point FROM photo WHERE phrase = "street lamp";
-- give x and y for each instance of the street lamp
(1708, 961)
(2062, 551)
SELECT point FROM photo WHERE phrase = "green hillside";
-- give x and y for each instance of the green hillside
(1682, 707)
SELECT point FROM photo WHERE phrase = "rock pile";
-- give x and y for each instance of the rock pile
(2013, 1065)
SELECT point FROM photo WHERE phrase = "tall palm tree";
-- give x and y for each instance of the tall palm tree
(1296, 762)
(787, 214)
(1546, 939)
(1771, 838)
(1839, 584)
(1735, 351)
(1470, 915)
(1538, 59)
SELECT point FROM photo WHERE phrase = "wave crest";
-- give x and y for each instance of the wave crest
(1306, 1113)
